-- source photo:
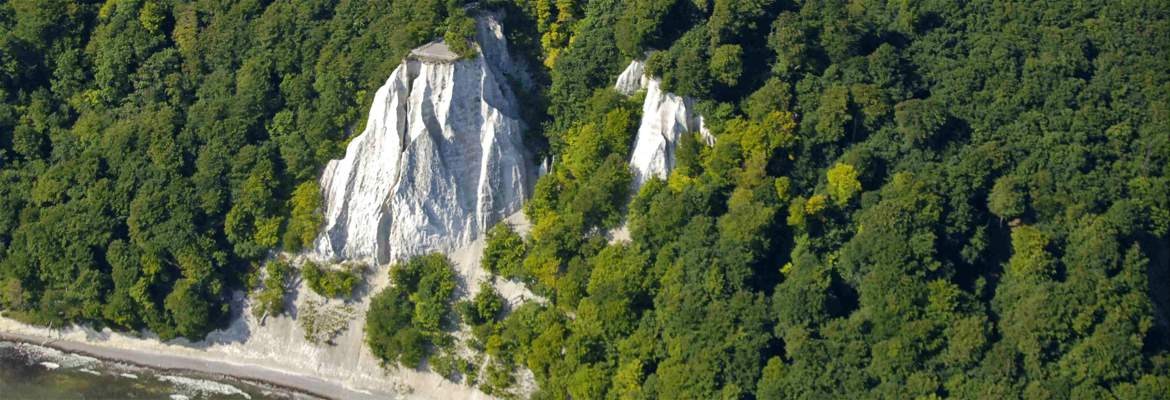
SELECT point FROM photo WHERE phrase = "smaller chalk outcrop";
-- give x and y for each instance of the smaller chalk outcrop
(632, 79)
(665, 118)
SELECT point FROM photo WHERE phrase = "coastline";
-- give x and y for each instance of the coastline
(275, 352)
(284, 380)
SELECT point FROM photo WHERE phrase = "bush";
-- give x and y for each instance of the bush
(323, 322)
(504, 252)
(270, 300)
(453, 367)
(484, 308)
(330, 282)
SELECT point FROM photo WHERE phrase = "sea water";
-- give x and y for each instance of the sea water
(30, 371)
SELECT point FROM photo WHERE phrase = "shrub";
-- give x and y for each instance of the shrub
(484, 308)
(270, 300)
(323, 322)
(504, 252)
(333, 282)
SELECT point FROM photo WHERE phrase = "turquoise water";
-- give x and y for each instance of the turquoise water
(36, 372)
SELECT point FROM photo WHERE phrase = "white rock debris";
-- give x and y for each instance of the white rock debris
(440, 161)
(665, 117)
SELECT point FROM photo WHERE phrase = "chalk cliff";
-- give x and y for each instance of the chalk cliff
(440, 161)
(665, 117)
(632, 79)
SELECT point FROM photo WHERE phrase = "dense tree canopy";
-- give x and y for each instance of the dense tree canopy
(904, 200)
(914, 199)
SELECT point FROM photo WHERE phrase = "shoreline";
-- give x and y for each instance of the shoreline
(283, 380)
(275, 352)
(218, 376)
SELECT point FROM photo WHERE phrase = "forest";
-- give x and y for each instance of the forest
(916, 199)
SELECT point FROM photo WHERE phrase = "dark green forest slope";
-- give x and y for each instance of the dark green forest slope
(905, 200)
(909, 199)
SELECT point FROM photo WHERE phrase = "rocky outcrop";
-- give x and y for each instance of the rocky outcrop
(632, 79)
(440, 161)
(665, 117)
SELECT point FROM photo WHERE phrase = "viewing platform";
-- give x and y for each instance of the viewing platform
(436, 51)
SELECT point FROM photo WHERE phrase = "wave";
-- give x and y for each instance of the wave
(198, 387)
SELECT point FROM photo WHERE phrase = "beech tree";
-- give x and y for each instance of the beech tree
(843, 184)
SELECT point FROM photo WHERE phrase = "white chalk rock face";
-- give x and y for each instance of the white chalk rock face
(665, 117)
(441, 159)
(632, 79)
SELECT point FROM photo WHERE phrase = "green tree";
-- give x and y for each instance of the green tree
(843, 183)
(503, 252)
(188, 305)
(919, 120)
(1007, 198)
(460, 35)
(727, 64)
(775, 95)
(252, 223)
(790, 43)
(305, 218)
(641, 25)
(833, 114)
(405, 321)
(1030, 258)
(684, 68)
(484, 308)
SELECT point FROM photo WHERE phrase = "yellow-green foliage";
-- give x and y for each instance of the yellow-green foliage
(815, 204)
(783, 187)
(152, 15)
(843, 183)
(760, 138)
(1030, 258)
(339, 281)
(305, 217)
(555, 26)
(270, 299)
